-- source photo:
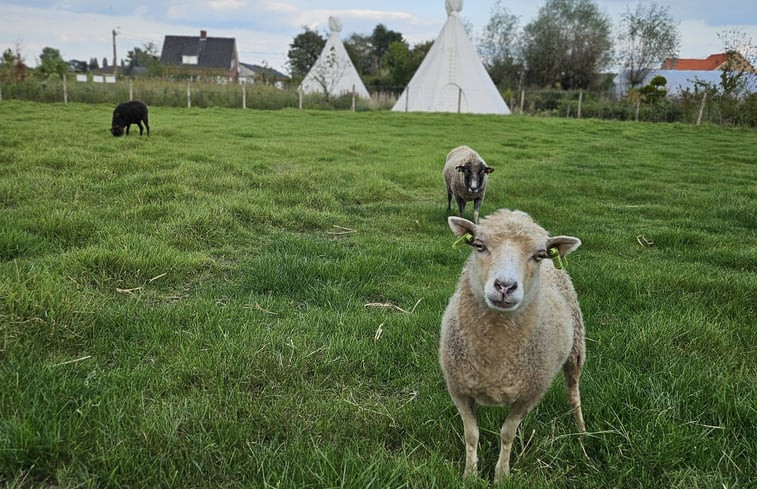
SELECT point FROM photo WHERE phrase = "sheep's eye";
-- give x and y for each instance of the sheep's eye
(540, 255)
(479, 246)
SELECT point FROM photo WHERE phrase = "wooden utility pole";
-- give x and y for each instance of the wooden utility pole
(115, 64)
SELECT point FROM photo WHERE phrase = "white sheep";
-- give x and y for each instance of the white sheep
(513, 321)
(465, 177)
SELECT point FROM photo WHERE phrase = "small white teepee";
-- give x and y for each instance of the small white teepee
(451, 77)
(333, 72)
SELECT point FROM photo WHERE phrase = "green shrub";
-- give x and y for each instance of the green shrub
(166, 92)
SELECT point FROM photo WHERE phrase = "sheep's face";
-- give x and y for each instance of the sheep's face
(117, 131)
(474, 174)
(508, 251)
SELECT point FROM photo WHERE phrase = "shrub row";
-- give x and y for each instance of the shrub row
(718, 109)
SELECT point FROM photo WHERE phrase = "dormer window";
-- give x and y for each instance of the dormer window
(188, 60)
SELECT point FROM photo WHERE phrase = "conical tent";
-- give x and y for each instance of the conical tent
(333, 72)
(451, 77)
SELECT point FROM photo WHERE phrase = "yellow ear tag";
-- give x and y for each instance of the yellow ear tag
(554, 253)
(467, 237)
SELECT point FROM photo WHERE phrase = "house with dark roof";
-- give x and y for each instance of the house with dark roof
(201, 56)
(249, 73)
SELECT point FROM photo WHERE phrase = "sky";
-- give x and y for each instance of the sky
(264, 29)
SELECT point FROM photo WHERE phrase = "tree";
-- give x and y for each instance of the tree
(77, 66)
(93, 65)
(145, 58)
(12, 66)
(654, 92)
(402, 61)
(567, 44)
(51, 63)
(648, 35)
(498, 46)
(9, 59)
(738, 76)
(304, 52)
(359, 48)
(381, 39)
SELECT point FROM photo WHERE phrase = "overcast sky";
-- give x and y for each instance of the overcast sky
(265, 28)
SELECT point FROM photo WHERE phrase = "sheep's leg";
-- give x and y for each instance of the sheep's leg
(127, 128)
(460, 205)
(147, 126)
(466, 406)
(507, 434)
(139, 124)
(572, 373)
(449, 201)
(476, 207)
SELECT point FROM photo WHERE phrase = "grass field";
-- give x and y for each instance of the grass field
(210, 306)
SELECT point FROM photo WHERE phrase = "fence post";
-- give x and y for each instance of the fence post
(189, 95)
(1, 93)
(522, 99)
(131, 90)
(353, 98)
(459, 98)
(701, 109)
(65, 90)
(244, 95)
(407, 97)
(299, 92)
(580, 100)
(638, 106)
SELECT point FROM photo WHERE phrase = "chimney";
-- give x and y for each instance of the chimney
(203, 34)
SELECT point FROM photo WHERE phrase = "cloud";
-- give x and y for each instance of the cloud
(699, 38)
(225, 5)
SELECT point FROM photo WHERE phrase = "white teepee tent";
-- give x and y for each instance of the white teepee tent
(333, 72)
(451, 77)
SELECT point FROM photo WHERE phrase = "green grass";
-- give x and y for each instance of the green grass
(182, 311)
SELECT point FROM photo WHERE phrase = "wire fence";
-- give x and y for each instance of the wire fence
(692, 108)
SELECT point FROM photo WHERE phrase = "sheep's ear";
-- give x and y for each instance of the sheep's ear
(564, 244)
(461, 226)
(489, 170)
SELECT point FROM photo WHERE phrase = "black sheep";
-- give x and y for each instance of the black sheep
(128, 113)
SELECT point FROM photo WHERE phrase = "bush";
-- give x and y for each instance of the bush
(662, 111)
(167, 92)
(749, 111)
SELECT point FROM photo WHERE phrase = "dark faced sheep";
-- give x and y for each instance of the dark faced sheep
(128, 113)
(465, 174)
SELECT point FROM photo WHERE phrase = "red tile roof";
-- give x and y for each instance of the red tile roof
(711, 63)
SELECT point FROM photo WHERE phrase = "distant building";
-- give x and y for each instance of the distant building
(683, 74)
(712, 62)
(201, 56)
(249, 73)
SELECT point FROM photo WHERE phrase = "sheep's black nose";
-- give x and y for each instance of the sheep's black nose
(505, 288)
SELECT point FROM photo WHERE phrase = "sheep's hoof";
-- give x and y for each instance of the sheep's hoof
(470, 473)
(501, 473)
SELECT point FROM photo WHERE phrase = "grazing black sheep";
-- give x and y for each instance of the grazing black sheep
(128, 113)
